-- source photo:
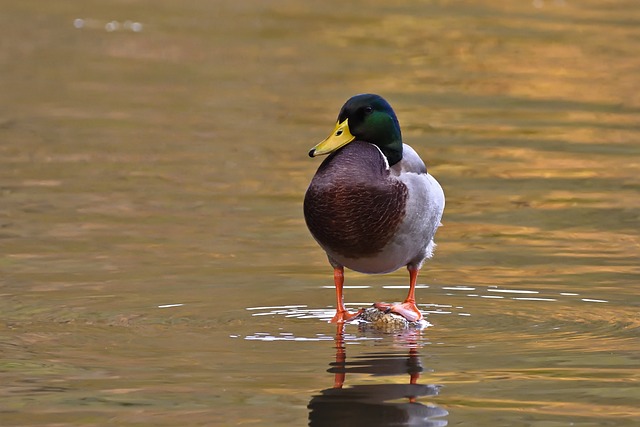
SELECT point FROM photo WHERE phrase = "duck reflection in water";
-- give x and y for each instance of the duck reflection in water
(375, 404)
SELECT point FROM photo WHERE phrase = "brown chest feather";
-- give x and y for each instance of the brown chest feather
(353, 207)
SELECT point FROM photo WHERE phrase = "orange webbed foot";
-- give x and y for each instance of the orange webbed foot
(408, 310)
(384, 307)
(343, 316)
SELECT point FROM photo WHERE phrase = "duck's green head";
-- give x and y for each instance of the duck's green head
(369, 118)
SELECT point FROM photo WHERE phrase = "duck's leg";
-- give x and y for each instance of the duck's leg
(408, 308)
(342, 315)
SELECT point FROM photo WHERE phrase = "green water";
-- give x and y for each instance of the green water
(155, 268)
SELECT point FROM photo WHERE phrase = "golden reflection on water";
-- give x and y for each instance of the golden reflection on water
(151, 186)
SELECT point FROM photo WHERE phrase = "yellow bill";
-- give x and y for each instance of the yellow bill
(340, 137)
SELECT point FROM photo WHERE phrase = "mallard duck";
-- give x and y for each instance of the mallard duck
(371, 205)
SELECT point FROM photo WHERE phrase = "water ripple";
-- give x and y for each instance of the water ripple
(556, 318)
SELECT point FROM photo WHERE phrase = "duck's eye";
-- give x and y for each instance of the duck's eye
(368, 110)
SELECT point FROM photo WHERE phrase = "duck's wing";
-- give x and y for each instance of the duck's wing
(413, 172)
(426, 201)
(411, 162)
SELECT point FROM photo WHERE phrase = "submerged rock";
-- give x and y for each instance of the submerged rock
(387, 322)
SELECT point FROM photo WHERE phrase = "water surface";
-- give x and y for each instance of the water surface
(155, 266)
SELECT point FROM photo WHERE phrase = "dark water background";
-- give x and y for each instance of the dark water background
(155, 268)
